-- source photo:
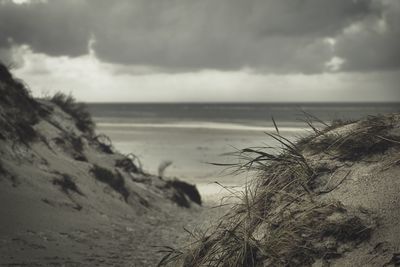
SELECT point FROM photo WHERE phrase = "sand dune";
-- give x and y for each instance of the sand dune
(67, 198)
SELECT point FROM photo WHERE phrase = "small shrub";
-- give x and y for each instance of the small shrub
(2, 170)
(5, 74)
(180, 199)
(78, 111)
(104, 143)
(25, 131)
(184, 189)
(77, 144)
(73, 145)
(115, 181)
(127, 165)
(19, 109)
(7, 175)
(67, 184)
(130, 163)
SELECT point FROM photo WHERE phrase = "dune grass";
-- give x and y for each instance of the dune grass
(127, 163)
(115, 181)
(370, 136)
(18, 110)
(78, 111)
(67, 184)
(104, 143)
(72, 144)
(2, 170)
(183, 193)
(279, 218)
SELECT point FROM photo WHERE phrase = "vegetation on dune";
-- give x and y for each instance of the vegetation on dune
(2, 169)
(280, 219)
(130, 164)
(104, 143)
(115, 181)
(163, 167)
(184, 193)
(67, 184)
(370, 136)
(18, 110)
(72, 144)
(78, 111)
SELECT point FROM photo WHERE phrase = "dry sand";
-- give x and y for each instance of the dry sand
(34, 233)
(55, 211)
(330, 200)
(44, 225)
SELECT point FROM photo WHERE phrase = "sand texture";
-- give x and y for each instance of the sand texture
(329, 199)
(67, 198)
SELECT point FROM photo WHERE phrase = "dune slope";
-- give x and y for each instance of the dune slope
(67, 197)
(329, 199)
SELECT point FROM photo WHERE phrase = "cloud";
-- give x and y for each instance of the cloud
(55, 28)
(89, 79)
(276, 36)
(372, 44)
(266, 36)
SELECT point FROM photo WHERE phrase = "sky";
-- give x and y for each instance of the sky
(205, 50)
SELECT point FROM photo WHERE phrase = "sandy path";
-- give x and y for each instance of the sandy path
(103, 241)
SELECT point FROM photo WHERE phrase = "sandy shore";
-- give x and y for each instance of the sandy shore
(67, 237)
(69, 198)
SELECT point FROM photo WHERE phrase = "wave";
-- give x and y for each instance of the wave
(203, 125)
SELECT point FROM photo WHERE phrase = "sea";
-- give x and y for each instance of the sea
(191, 137)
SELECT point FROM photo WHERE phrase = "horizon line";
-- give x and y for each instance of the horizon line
(242, 102)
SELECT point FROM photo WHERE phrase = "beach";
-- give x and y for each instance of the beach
(192, 136)
(200, 133)
(73, 196)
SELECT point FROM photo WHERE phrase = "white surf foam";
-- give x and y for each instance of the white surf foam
(203, 125)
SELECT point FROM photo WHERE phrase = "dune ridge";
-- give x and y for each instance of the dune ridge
(328, 199)
(68, 197)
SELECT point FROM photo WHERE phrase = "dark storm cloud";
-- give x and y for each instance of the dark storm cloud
(55, 28)
(374, 44)
(278, 36)
(270, 36)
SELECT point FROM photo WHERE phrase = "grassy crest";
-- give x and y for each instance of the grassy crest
(78, 111)
(280, 218)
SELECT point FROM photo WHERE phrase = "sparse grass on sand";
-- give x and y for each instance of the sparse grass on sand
(280, 218)
(78, 111)
(67, 184)
(370, 136)
(115, 181)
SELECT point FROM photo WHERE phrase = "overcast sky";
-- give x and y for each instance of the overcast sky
(205, 50)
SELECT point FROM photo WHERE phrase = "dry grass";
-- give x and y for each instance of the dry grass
(18, 110)
(78, 111)
(104, 143)
(368, 137)
(183, 193)
(279, 219)
(127, 165)
(115, 181)
(67, 184)
(130, 163)
(72, 144)
(2, 170)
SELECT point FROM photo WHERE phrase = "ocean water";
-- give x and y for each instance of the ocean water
(193, 135)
